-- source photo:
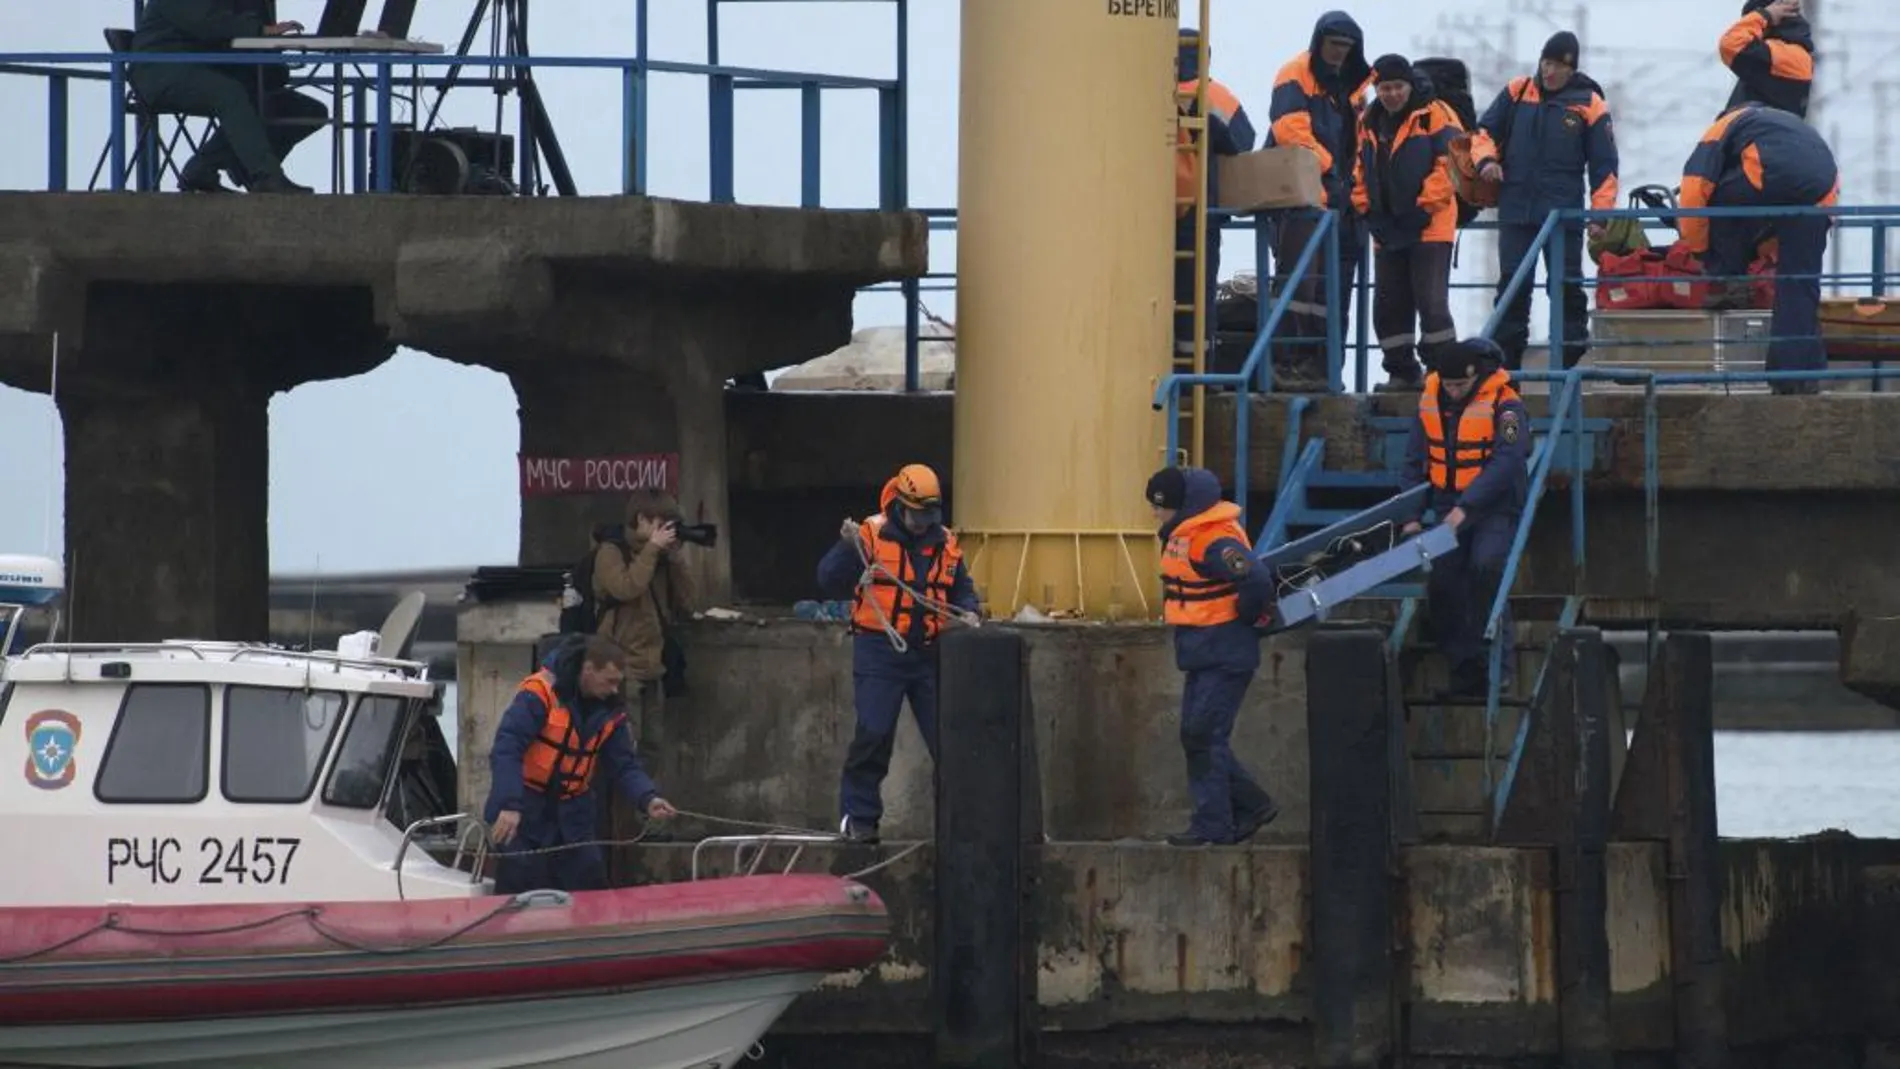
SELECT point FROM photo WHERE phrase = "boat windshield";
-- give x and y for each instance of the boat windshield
(370, 746)
(24, 626)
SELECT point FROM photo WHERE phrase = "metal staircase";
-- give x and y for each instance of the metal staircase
(1335, 537)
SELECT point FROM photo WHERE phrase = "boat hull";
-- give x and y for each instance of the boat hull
(672, 976)
(685, 1026)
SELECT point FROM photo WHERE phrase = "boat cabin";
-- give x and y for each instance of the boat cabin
(188, 772)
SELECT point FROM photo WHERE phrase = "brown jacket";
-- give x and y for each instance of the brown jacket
(638, 589)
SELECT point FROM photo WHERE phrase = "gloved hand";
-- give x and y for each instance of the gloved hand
(1414, 221)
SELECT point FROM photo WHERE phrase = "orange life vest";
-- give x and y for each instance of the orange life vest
(882, 594)
(1188, 598)
(560, 752)
(1223, 105)
(1476, 431)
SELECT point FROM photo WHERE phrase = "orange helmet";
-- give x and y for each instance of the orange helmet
(916, 487)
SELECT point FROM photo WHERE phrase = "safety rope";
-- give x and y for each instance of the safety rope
(873, 568)
(1317, 566)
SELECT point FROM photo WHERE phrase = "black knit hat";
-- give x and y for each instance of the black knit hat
(1393, 67)
(1167, 488)
(1562, 47)
(1463, 359)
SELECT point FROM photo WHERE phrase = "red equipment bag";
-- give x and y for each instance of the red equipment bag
(1761, 277)
(1625, 281)
(1679, 291)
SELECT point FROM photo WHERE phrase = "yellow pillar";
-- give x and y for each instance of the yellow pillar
(1065, 296)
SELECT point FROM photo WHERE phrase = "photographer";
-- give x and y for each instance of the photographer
(642, 592)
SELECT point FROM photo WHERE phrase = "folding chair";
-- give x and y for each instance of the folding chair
(146, 120)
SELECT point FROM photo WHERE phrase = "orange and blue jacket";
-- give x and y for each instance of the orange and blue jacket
(1549, 141)
(1230, 130)
(1773, 63)
(1755, 155)
(1402, 179)
(1318, 109)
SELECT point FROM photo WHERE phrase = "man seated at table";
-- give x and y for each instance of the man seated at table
(250, 149)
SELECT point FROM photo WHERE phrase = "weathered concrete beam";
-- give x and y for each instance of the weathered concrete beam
(1706, 440)
(461, 264)
(1870, 655)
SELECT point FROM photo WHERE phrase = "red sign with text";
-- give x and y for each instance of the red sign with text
(550, 476)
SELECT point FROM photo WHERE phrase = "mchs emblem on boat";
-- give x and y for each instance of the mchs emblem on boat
(51, 737)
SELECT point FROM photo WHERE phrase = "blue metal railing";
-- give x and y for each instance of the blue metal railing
(61, 69)
(1270, 312)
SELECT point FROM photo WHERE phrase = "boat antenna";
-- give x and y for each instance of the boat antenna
(52, 435)
(310, 633)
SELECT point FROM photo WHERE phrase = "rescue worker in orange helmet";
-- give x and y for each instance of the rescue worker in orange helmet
(1214, 594)
(1754, 156)
(1471, 442)
(1771, 51)
(1316, 102)
(1402, 188)
(565, 731)
(884, 563)
(1229, 133)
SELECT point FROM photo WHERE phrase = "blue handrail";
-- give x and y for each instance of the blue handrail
(59, 68)
(1168, 391)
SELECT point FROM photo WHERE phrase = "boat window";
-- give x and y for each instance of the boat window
(6, 695)
(160, 745)
(275, 741)
(369, 745)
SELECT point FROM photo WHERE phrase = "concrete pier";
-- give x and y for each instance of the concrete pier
(618, 319)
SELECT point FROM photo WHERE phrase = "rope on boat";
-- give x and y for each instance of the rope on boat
(711, 818)
(310, 915)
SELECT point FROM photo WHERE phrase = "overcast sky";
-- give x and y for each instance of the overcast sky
(455, 426)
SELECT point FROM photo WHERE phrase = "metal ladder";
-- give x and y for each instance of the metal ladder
(1191, 137)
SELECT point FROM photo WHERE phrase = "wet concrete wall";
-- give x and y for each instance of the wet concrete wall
(761, 734)
(1156, 956)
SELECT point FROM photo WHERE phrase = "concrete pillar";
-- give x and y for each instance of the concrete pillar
(183, 474)
(576, 408)
(165, 400)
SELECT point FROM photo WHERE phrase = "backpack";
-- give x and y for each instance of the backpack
(580, 612)
(1451, 81)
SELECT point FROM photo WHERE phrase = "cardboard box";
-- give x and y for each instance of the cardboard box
(1284, 176)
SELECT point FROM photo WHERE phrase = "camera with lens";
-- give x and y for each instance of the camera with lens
(698, 534)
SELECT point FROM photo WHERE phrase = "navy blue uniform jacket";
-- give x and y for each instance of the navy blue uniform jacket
(1550, 140)
(544, 820)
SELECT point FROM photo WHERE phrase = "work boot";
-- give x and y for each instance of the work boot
(277, 183)
(1305, 375)
(1248, 827)
(855, 831)
(1470, 680)
(1402, 378)
(200, 176)
(1188, 838)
